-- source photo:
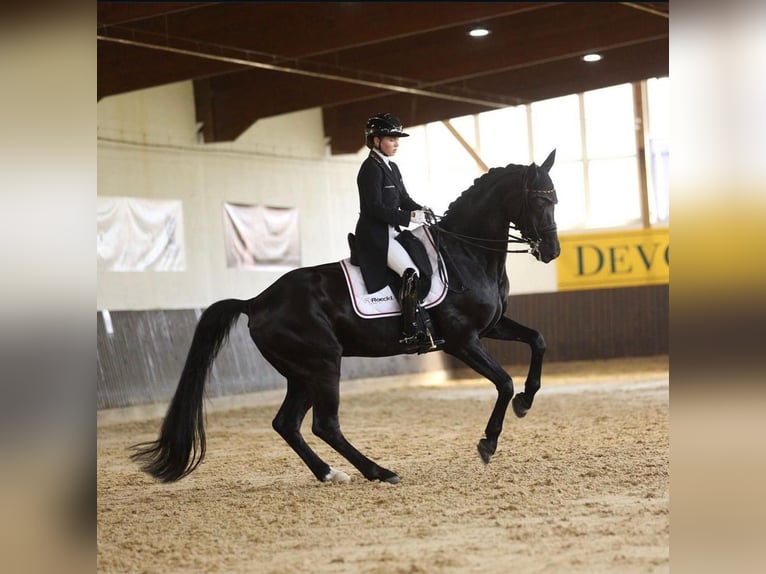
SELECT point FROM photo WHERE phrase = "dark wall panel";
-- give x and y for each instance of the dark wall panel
(589, 325)
(141, 360)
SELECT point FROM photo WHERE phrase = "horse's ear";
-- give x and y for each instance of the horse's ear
(548, 163)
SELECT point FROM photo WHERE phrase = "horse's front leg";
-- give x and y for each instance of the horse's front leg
(476, 356)
(509, 330)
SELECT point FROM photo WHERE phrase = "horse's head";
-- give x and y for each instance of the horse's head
(537, 223)
(521, 195)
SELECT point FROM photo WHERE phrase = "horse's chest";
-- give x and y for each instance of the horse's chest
(490, 309)
(498, 312)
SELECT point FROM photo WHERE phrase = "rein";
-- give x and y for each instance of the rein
(477, 241)
(433, 224)
(532, 239)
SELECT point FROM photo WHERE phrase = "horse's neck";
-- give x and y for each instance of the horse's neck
(483, 213)
(484, 227)
(476, 264)
(484, 241)
(491, 227)
(487, 221)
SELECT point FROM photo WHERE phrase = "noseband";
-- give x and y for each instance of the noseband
(530, 233)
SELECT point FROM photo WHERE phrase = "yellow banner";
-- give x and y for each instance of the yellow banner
(613, 259)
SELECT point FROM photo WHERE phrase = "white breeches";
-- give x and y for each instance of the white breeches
(398, 259)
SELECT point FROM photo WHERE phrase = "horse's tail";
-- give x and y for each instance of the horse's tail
(180, 447)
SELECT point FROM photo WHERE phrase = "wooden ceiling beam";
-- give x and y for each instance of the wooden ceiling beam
(572, 75)
(255, 86)
(123, 68)
(229, 105)
(343, 56)
(121, 13)
(300, 29)
(271, 32)
(522, 39)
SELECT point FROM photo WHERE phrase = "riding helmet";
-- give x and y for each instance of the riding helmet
(382, 125)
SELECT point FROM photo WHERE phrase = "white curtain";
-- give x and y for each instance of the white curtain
(258, 236)
(135, 234)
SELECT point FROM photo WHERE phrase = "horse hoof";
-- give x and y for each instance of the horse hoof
(387, 476)
(336, 475)
(485, 450)
(519, 409)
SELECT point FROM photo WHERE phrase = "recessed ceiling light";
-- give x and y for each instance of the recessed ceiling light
(478, 32)
(591, 57)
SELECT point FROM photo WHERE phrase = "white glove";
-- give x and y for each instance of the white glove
(418, 216)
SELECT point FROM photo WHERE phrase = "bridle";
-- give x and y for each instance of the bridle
(529, 234)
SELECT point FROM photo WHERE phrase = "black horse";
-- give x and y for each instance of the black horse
(304, 323)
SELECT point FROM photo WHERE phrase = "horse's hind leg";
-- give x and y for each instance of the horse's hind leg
(509, 330)
(287, 423)
(326, 426)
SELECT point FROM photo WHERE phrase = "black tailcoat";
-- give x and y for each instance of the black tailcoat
(383, 201)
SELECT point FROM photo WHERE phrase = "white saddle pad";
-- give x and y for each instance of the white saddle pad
(384, 303)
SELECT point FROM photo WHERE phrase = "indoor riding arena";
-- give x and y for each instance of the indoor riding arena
(230, 140)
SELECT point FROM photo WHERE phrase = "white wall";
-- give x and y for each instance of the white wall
(148, 147)
(279, 161)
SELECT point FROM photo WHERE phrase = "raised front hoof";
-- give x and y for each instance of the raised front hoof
(520, 409)
(486, 450)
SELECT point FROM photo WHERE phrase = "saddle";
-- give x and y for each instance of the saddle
(386, 302)
(416, 250)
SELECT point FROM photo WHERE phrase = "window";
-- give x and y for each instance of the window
(610, 130)
(614, 198)
(556, 124)
(597, 171)
(658, 147)
(504, 136)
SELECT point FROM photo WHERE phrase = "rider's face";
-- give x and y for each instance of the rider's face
(389, 145)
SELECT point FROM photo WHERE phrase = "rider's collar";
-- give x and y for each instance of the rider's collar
(385, 158)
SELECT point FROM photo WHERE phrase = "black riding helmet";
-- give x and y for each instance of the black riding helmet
(382, 125)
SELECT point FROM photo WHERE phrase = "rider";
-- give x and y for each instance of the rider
(384, 208)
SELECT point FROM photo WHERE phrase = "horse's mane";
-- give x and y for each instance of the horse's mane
(480, 186)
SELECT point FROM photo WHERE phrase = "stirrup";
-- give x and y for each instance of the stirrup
(425, 320)
(424, 341)
(431, 344)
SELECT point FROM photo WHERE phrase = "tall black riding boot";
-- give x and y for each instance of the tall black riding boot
(408, 299)
(416, 324)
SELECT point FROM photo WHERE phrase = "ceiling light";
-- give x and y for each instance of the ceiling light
(478, 32)
(591, 57)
